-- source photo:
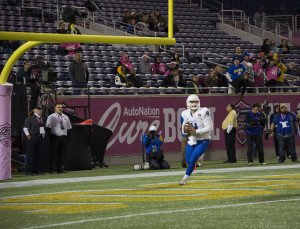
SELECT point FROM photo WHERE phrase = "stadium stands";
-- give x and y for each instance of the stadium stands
(197, 34)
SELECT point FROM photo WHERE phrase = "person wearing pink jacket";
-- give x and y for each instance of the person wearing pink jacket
(258, 72)
(272, 73)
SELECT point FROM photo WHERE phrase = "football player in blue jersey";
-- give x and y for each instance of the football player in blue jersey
(198, 125)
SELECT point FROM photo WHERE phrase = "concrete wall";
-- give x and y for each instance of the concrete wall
(252, 34)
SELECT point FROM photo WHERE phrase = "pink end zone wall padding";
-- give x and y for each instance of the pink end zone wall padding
(5, 131)
(127, 116)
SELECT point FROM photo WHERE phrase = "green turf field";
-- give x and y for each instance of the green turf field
(117, 197)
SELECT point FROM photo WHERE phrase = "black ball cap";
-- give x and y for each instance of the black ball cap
(38, 107)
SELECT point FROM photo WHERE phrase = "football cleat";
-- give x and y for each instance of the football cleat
(183, 182)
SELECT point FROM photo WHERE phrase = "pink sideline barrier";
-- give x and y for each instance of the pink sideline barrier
(5, 131)
(128, 116)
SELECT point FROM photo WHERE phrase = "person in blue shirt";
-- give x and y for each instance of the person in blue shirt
(286, 131)
(255, 121)
(235, 71)
(154, 156)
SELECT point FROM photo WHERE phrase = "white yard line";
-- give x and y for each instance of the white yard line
(137, 175)
(62, 203)
(161, 212)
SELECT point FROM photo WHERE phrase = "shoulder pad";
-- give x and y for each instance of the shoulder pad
(204, 111)
(185, 113)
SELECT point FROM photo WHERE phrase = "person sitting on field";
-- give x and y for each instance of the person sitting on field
(154, 156)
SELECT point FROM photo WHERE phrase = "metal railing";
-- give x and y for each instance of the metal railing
(285, 22)
(276, 27)
(213, 5)
(297, 23)
(232, 16)
(114, 91)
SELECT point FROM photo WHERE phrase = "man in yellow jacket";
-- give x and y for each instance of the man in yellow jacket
(229, 126)
(282, 68)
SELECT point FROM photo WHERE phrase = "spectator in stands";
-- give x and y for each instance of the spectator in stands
(144, 65)
(291, 70)
(212, 79)
(72, 30)
(175, 58)
(146, 20)
(238, 54)
(272, 73)
(138, 16)
(62, 28)
(10, 46)
(69, 49)
(241, 82)
(270, 54)
(194, 85)
(162, 22)
(282, 68)
(273, 46)
(284, 48)
(265, 47)
(135, 80)
(131, 26)
(124, 61)
(78, 72)
(172, 67)
(23, 75)
(222, 82)
(158, 67)
(258, 72)
(172, 79)
(121, 80)
(235, 71)
(181, 82)
(259, 16)
(153, 26)
(246, 63)
(127, 16)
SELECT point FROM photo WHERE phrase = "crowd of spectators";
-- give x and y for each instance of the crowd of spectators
(143, 21)
(266, 68)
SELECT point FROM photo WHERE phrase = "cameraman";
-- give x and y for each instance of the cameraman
(275, 137)
(35, 89)
(286, 131)
(154, 156)
(255, 122)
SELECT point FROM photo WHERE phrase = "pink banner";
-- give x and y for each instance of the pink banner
(127, 117)
(5, 131)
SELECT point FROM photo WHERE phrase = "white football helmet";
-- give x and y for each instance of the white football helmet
(194, 106)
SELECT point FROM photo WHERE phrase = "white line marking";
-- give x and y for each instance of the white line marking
(274, 175)
(146, 196)
(136, 175)
(161, 212)
(51, 193)
(32, 211)
(60, 203)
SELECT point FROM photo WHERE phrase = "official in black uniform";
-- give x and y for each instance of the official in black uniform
(34, 129)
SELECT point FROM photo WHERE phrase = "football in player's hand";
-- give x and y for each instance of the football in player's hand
(186, 128)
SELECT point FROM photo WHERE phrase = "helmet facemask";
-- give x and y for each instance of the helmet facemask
(193, 102)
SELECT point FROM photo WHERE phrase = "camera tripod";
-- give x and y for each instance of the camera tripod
(44, 101)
